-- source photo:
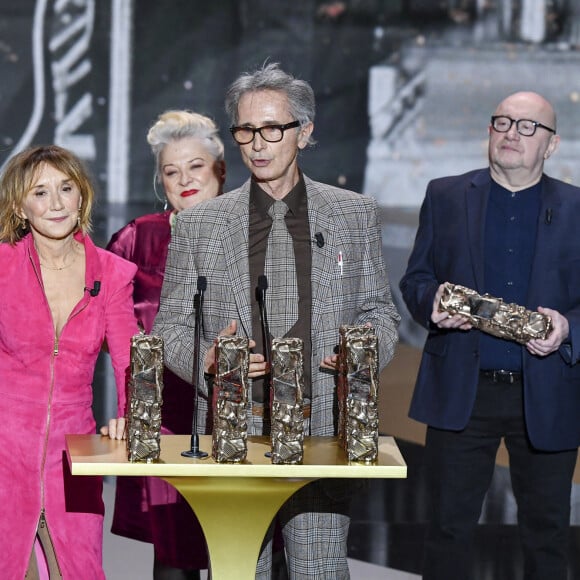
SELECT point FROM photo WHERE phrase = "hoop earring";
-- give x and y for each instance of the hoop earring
(158, 197)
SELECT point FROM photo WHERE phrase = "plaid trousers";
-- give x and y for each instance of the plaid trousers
(315, 525)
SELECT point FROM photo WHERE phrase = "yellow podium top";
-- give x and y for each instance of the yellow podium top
(323, 457)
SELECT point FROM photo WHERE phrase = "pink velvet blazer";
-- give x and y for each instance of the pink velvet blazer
(46, 392)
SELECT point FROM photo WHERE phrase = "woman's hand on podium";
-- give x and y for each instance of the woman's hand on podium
(116, 429)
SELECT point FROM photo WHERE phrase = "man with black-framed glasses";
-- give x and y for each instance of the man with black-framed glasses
(525, 127)
(324, 252)
(509, 231)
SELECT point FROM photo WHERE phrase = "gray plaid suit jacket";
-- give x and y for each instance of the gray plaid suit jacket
(211, 240)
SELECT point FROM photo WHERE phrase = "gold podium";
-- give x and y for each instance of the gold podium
(234, 502)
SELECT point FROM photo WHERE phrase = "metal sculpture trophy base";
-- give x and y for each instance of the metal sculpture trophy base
(230, 427)
(287, 417)
(145, 398)
(357, 392)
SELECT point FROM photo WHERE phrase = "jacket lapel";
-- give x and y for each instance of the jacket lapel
(476, 198)
(550, 214)
(235, 245)
(324, 260)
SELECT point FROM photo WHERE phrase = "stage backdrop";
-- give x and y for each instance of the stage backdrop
(404, 87)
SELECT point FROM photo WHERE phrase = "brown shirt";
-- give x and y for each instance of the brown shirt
(299, 229)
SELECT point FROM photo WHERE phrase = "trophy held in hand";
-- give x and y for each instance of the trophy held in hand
(494, 316)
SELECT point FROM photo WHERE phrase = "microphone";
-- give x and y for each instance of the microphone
(548, 219)
(261, 298)
(319, 239)
(94, 291)
(194, 450)
(201, 288)
(261, 289)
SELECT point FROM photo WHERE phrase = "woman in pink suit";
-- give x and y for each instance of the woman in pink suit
(189, 158)
(62, 298)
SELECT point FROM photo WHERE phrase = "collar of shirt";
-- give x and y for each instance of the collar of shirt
(293, 199)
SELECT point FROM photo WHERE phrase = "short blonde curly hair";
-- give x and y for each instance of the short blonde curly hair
(174, 125)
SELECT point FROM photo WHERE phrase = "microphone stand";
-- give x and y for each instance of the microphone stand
(197, 307)
(261, 297)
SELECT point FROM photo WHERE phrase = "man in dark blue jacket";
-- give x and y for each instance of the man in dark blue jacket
(512, 232)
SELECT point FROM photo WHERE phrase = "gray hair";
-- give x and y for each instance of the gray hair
(272, 78)
(175, 125)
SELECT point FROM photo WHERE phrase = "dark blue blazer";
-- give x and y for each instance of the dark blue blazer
(449, 247)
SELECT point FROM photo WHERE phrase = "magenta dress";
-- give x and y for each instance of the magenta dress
(147, 508)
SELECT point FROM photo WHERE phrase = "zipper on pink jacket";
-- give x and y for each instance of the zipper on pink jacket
(43, 524)
(55, 351)
(42, 520)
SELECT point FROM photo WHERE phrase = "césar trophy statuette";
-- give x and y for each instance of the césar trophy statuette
(145, 398)
(494, 316)
(230, 400)
(358, 382)
(287, 407)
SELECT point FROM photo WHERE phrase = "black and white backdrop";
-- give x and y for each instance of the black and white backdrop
(404, 87)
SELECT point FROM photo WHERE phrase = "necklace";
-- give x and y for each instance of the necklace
(59, 268)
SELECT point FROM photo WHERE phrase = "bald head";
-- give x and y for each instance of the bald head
(540, 108)
(521, 140)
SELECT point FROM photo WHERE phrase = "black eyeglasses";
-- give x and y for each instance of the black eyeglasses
(270, 133)
(525, 127)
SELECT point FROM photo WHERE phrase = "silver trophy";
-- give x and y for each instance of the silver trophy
(145, 398)
(287, 407)
(230, 400)
(358, 382)
(494, 316)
